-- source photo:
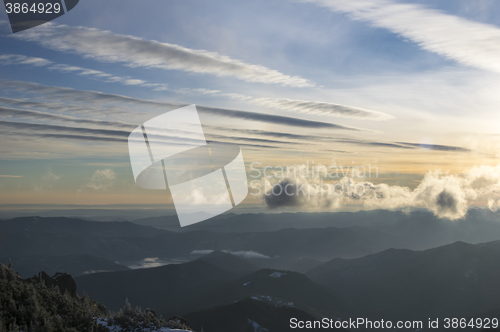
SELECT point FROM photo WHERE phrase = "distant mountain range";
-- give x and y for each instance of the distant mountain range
(375, 264)
(249, 315)
(455, 280)
(128, 242)
(76, 265)
(214, 280)
(475, 227)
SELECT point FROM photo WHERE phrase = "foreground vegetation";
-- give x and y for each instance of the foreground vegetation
(36, 305)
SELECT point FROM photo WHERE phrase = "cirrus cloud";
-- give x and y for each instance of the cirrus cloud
(467, 42)
(132, 51)
(321, 108)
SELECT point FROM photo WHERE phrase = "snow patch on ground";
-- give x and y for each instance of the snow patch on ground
(277, 274)
(256, 326)
(115, 328)
(276, 302)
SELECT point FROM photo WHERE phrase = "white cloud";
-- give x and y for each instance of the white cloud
(245, 254)
(98, 99)
(17, 59)
(201, 252)
(446, 195)
(136, 52)
(102, 179)
(321, 108)
(300, 106)
(151, 262)
(47, 181)
(248, 254)
(470, 43)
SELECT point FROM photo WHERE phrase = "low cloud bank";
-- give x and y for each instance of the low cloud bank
(446, 195)
(244, 254)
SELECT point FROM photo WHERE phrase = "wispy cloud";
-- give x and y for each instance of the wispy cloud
(235, 139)
(98, 98)
(321, 108)
(299, 106)
(344, 140)
(276, 119)
(58, 107)
(290, 105)
(136, 52)
(108, 78)
(437, 147)
(47, 181)
(38, 115)
(63, 133)
(17, 59)
(22, 127)
(467, 42)
(102, 179)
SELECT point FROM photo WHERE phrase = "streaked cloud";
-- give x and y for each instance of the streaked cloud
(17, 59)
(38, 115)
(97, 98)
(276, 119)
(467, 42)
(437, 147)
(299, 106)
(38, 130)
(108, 78)
(290, 105)
(58, 107)
(235, 139)
(22, 127)
(344, 140)
(321, 108)
(132, 51)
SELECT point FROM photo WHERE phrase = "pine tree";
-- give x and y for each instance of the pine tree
(127, 308)
(10, 264)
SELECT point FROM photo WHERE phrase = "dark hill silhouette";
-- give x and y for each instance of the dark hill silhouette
(247, 316)
(230, 263)
(452, 280)
(289, 287)
(127, 242)
(211, 281)
(75, 265)
(304, 264)
(170, 289)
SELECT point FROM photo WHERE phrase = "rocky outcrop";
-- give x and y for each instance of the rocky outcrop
(179, 322)
(63, 281)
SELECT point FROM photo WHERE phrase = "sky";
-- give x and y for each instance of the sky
(405, 88)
